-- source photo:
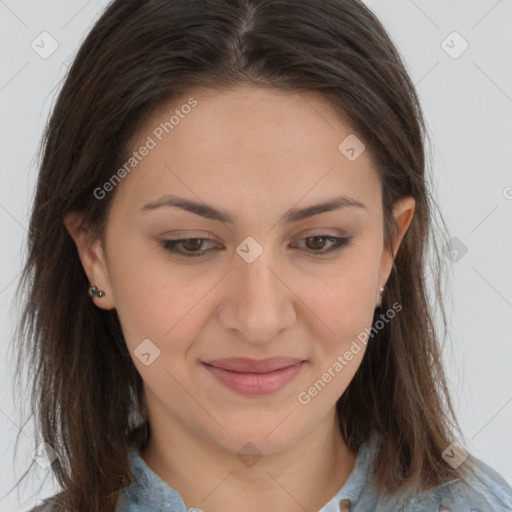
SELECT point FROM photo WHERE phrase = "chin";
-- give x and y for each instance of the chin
(248, 437)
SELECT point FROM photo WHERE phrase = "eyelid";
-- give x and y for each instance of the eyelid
(307, 233)
(337, 243)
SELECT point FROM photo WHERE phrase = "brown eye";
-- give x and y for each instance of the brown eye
(190, 247)
(193, 247)
(316, 243)
(192, 244)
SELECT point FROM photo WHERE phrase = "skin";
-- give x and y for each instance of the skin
(256, 154)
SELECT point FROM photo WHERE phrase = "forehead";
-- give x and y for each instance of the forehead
(248, 145)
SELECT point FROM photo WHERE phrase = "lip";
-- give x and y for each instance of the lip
(244, 364)
(253, 377)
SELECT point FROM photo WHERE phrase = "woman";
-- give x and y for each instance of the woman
(227, 307)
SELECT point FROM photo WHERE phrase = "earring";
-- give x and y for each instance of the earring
(93, 290)
(379, 302)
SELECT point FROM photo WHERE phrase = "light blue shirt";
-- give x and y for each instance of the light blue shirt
(488, 492)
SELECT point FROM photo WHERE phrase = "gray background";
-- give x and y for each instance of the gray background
(467, 102)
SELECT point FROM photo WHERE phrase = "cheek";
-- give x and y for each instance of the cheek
(346, 297)
(153, 298)
(162, 320)
(160, 309)
(345, 304)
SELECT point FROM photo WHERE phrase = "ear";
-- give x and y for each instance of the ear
(92, 255)
(403, 212)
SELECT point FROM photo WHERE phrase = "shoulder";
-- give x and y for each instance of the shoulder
(482, 490)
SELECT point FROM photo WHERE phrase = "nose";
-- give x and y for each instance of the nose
(257, 302)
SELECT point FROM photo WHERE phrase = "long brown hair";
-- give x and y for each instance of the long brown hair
(87, 397)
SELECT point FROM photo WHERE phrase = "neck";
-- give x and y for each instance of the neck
(303, 476)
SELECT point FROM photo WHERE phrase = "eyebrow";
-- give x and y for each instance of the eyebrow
(209, 212)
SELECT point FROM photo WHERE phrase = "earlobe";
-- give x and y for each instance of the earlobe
(91, 254)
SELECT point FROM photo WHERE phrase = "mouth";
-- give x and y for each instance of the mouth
(253, 377)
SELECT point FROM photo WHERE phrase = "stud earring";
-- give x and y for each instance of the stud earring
(379, 302)
(93, 291)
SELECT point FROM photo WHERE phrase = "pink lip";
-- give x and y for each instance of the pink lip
(254, 377)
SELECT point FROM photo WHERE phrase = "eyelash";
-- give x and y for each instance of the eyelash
(338, 244)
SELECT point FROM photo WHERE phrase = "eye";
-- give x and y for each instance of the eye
(316, 242)
(193, 247)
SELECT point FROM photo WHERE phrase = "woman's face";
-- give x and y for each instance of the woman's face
(266, 283)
